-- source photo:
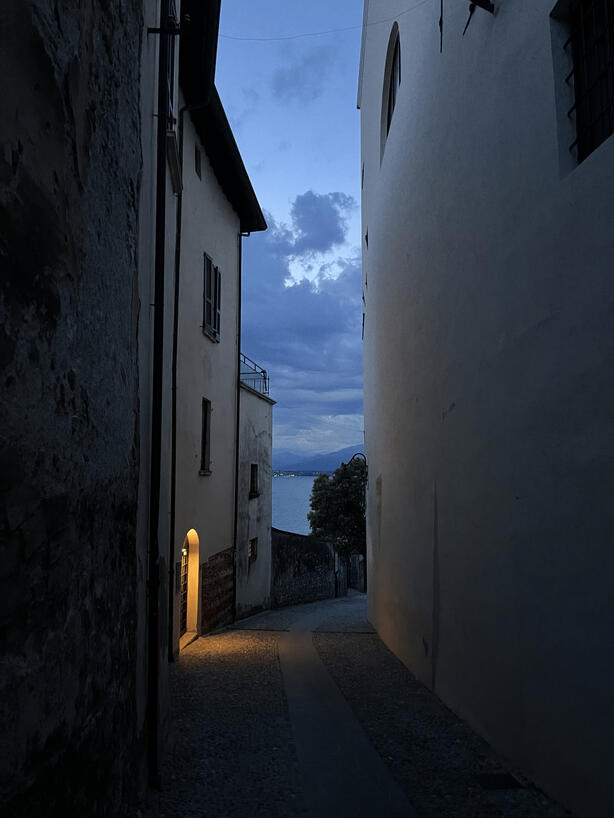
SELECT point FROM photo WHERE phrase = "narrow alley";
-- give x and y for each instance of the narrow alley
(304, 712)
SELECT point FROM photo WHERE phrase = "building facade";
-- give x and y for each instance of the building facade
(488, 169)
(255, 495)
(112, 197)
(73, 676)
(218, 207)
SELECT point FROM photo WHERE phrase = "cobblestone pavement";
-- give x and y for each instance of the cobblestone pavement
(233, 752)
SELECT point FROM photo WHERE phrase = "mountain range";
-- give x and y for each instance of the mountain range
(286, 460)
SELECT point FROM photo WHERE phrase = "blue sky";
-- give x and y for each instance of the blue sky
(292, 105)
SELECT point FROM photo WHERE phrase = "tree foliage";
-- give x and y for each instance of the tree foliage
(338, 507)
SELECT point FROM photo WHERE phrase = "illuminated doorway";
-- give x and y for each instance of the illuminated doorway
(189, 589)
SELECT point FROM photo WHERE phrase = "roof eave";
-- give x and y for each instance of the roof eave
(197, 56)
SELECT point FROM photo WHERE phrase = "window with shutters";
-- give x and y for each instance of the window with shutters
(591, 41)
(212, 300)
(205, 438)
(583, 58)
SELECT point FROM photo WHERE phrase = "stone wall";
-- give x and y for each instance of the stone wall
(217, 584)
(303, 570)
(357, 572)
(69, 180)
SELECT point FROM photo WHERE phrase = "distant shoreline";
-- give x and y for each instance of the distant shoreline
(299, 473)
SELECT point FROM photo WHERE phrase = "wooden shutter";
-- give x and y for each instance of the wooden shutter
(218, 302)
(208, 295)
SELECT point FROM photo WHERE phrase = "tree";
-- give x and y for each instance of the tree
(338, 507)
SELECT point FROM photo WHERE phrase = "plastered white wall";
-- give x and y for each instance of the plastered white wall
(488, 354)
(255, 513)
(206, 369)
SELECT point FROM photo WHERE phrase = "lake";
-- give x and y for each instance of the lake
(291, 502)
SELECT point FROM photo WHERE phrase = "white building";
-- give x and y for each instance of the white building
(254, 507)
(487, 207)
(217, 206)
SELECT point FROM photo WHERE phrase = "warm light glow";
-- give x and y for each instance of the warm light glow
(192, 538)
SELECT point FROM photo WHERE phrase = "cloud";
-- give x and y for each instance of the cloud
(307, 333)
(240, 112)
(319, 220)
(305, 79)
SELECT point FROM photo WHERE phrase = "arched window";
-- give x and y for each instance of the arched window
(392, 80)
(395, 81)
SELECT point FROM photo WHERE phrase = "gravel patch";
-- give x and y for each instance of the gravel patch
(231, 751)
(434, 756)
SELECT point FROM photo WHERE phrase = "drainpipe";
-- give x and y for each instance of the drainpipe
(237, 429)
(173, 488)
(153, 578)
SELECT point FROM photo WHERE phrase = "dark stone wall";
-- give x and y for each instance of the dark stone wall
(217, 584)
(69, 179)
(303, 570)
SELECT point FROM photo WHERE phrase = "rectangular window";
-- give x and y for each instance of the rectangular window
(212, 300)
(170, 70)
(252, 549)
(197, 162)
(253, 481)
(591, 43)
(205, 440)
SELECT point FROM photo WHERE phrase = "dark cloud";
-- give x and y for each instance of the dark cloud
(319, 220)
(319, 223)
(304, 80)
(307, 335)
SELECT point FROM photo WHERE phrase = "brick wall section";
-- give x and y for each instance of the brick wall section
(69, 179)
(303, 569)
(217, 583)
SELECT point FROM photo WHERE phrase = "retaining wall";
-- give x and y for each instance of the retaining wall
(303, 570)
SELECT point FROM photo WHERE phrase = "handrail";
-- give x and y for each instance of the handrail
(253, 375)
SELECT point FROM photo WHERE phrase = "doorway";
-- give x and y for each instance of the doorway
(183, 587)
(188, 601)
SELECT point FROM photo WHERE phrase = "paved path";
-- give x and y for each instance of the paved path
(304, 713)
(341, 772)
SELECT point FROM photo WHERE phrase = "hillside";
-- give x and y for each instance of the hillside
(284, 460)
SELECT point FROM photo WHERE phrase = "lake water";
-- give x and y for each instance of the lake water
(291, 502)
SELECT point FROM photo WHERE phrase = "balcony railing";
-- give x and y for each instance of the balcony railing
(253, 375)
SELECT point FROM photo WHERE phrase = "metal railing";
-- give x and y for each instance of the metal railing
(253, 375)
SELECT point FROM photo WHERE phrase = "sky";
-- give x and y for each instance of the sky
(291, 102)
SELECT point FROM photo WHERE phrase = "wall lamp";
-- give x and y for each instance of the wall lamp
(484, 4)
(360, 456)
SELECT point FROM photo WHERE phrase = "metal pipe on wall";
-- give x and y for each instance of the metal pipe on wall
(153, 577)
(238, 425)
